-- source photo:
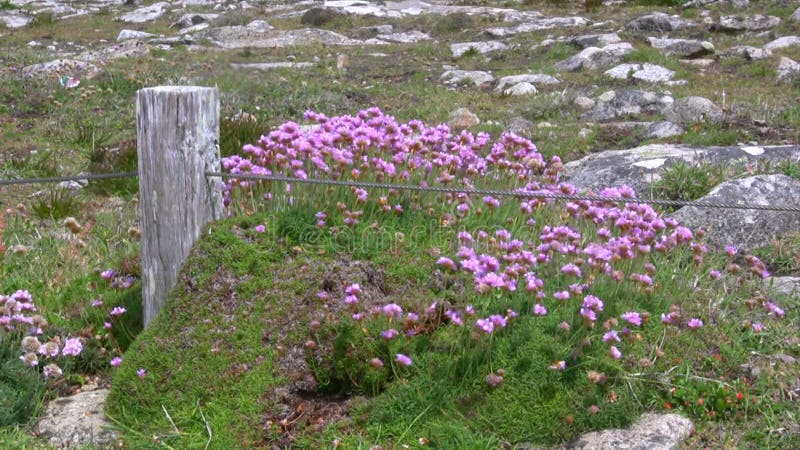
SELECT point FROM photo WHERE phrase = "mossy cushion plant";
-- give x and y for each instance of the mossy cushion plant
(346, 317)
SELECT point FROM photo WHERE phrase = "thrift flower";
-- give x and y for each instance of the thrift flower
(773, 308)
(107, 274)
(757, 327)
(116, 361)
(376, 363)
(403, 360)
(561, 295)
(51, 371)
(494, 380)
(615, 352)
(611, 336)
(141, 373)
(30, 359)
(633, 318)
(487, 326)
(694, 323)
(117, 311)
(389, 334)
(558, 366)
(97, 302)
(393, 310)
(260, 228)
(539, 310)
(72, 347)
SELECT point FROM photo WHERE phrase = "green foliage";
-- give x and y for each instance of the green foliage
(685, 181)
(55, 205)
(21, 389)
(89, 134)
(6, 5)
(118, 159)
(44, 19)
(708, 399)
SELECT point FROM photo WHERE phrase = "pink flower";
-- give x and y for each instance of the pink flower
(571, 269)
(97, 302)
(389, 334)
(403, 360)
(107, 274)
(539, 310)
(757, 327)
(494, 379)
(447, 262)
(72, 347)
(141, 373)
(633, 318)
(611, 336)
(116, 361)
(775, 309)
(117, 311)
(694, 323)
(615, 352)
(561, 295)
(260, 228)
(487, 326)
(393, 310)
(558, 366)
(376, 363)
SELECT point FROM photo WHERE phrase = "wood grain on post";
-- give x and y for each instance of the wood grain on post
(177, 142)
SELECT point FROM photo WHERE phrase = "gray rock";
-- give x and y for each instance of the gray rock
(14, 19)
(477, 77)
(756, 22)
(651, 432)
(685, 48)
(61, 67)
(583, 103)
(538, 24)
(657, 22)
(788, 68)
(693, 109)
(257, 37)
(521, 127)
(523, 88)
(408, 37)
(663, 129)
(537, 78)
(592, 58)
(782, 42)
(124, 49)
(462, 118)
(145, 14)
(77, 421)
(173, 41)
(461, 48)
(125, 35)
(650, 73)
(376, 29)
(748, 52)
(595, 40)
(628, 102)
(190, 20)
(747, 229)
(641, 166)
(785, 285)
(795, 17)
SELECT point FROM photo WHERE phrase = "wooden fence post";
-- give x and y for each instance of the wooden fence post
(177, 142)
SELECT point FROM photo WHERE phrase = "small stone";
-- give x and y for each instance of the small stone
(523, 88)
(462, 118)
(78, 420)
(596, 40)
(521, 127)
(534, 79)
(788, 68)
(583, 103)
(663, 129)
(645, 72)
(657, 22)
(145, 14)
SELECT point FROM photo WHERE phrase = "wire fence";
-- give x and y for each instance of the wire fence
(408, 187)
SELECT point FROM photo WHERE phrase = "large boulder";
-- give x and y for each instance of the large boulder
(538, 24)
(462, 48)
(533, 78)
(612, 105)
(788, 68)
(693, 109)
(640, 167)
(592, 58)
(657, 22)
(747, 228)
(651, 432)
(782, 42)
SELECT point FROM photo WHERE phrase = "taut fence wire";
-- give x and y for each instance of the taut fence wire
(499, 193)
(408, 187)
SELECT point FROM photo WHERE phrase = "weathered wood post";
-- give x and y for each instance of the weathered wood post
(177, 142)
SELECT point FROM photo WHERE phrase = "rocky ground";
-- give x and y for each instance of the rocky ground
(621, 90)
